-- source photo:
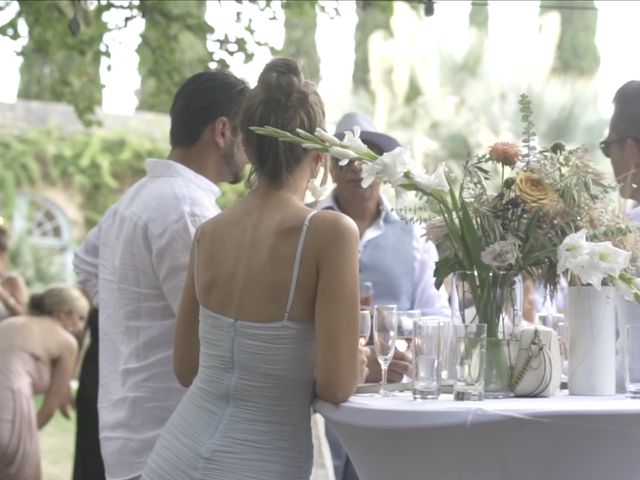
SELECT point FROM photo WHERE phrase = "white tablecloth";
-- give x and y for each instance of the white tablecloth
(563, 437)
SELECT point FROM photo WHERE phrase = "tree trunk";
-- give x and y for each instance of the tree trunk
(372, 15)
(300, 37)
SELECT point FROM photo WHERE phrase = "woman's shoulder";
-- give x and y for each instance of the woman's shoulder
(334, 226)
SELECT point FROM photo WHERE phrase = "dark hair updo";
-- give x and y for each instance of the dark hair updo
(282, 99)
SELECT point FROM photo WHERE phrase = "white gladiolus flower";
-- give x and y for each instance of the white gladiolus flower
(330, 139)
(352, 140)
(369, 173)
(624, 289)
(436, 181)
(343, 154)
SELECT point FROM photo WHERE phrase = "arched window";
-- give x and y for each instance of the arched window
(42, 240)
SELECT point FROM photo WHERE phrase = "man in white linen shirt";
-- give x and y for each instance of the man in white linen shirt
(136, 259)
(394, 256)
(622, 147)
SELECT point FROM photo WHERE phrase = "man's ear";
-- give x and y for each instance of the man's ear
(221, 131)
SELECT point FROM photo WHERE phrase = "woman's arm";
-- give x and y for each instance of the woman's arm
(14, 294)
(186, 351)
(339, 365)
(64, 362)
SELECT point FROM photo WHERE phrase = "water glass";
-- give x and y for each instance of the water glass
(406, 318)
(427, 349)
(364, 326)
(470, 361)
(632, 361)
(385, 331)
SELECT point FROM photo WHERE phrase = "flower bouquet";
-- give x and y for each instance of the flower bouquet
(515, 210)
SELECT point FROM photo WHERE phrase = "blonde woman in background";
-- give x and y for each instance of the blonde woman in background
(38, 352)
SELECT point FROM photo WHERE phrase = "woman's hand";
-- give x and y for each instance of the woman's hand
(365, 352)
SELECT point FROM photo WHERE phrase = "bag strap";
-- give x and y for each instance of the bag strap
(540, 350)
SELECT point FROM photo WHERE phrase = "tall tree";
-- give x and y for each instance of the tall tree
(372, 15)
(62, 56)
(300, 36)
(577, 52)
(173, 47)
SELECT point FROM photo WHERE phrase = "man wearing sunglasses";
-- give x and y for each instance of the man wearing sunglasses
(622, 147)
(394, 256)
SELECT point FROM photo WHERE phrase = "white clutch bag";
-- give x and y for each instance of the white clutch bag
(538, 367)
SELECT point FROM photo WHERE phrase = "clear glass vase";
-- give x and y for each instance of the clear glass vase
(494, 299)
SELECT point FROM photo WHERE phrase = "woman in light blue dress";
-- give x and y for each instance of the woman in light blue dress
(269, 312)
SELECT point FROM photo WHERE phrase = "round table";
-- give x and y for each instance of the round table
(563, 437)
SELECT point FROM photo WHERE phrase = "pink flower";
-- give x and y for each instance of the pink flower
(506, 153)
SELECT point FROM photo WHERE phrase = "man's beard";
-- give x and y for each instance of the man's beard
(234, 166)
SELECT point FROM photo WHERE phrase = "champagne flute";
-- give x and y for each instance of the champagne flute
(385, 330)
(364, 327)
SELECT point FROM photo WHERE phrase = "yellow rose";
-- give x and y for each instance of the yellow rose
(533, 190)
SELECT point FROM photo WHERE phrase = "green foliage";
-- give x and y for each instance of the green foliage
(173, 48)
(95, 166)
(577, 52)
(300, 31)
(58, 65)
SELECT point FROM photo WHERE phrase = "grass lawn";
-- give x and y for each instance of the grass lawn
(57, 443)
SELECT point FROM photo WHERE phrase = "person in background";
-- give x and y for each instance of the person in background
(38, 352)
(269, 314)
(393, 255)
(622, 147)
(14, 294)
(134, 263)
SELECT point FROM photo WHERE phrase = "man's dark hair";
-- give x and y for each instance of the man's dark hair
(626, 117)
(202, 99)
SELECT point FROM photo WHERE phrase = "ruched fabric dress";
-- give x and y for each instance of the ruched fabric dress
(21, 376)
(247, 414)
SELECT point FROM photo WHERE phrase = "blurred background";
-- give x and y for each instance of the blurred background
(85, 87)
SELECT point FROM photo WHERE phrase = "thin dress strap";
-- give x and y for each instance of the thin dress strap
(296, 264)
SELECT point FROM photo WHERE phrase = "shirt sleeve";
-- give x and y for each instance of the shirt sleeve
(171, 249)
(86, 261)
(426, 297)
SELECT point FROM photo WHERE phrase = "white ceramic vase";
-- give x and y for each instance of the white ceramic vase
(592, 337)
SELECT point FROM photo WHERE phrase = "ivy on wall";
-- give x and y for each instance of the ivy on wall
(94, 166)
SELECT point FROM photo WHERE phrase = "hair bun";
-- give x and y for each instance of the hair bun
(281, 78)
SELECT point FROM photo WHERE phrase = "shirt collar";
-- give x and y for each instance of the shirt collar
(170, 168)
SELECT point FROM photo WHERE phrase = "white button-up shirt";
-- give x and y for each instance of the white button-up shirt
(134, 262)
(427, 298)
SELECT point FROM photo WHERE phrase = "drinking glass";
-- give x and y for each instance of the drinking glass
(405, 328)
(632, 361)
(366, 296)
(471, 353)
(427, 348)
(364, 326)
(385, 330)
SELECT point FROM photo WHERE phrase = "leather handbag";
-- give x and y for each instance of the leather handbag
(538, 367)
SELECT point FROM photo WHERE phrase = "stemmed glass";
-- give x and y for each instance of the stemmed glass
(364, 327)
(385, 331)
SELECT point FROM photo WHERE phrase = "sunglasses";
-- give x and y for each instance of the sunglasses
(605, 145)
